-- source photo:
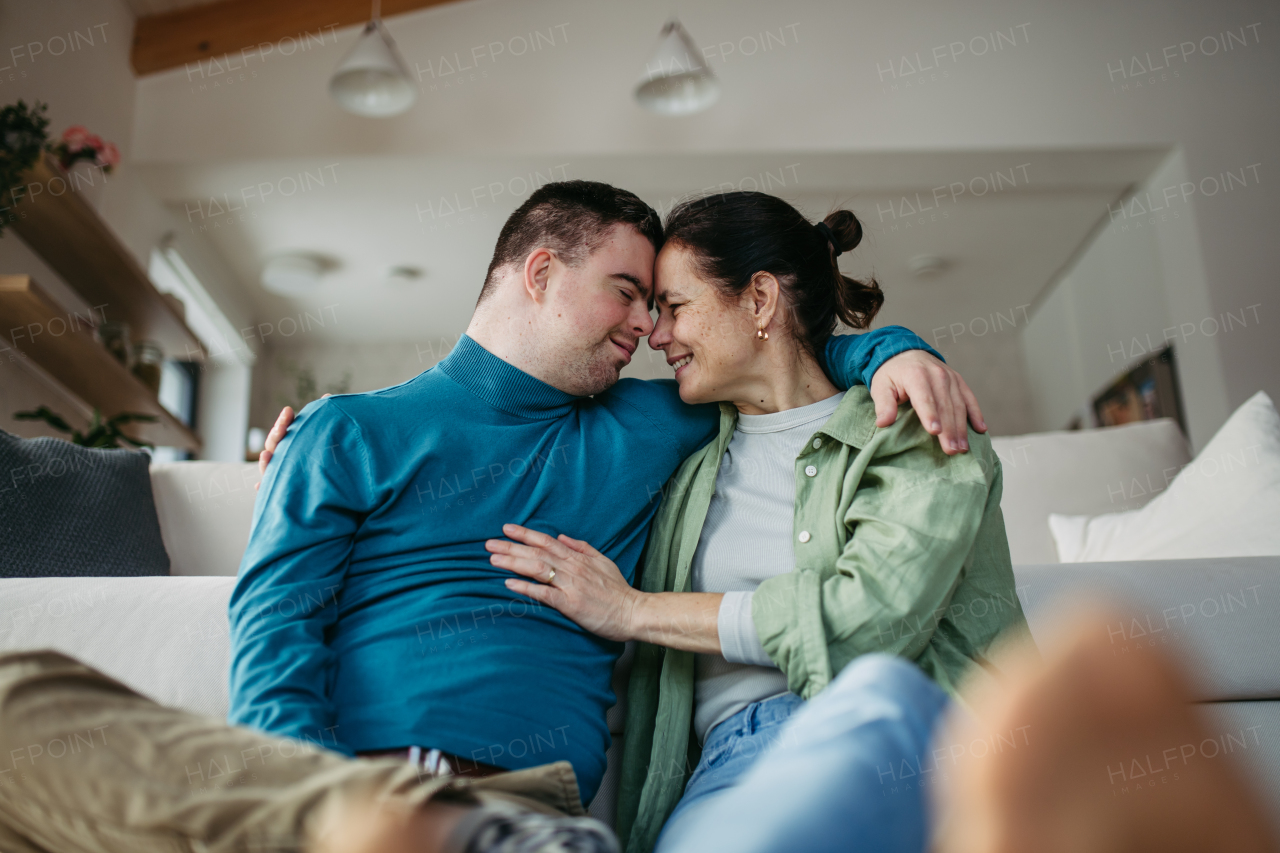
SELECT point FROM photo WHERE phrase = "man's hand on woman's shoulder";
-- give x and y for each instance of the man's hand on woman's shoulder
(940, 396)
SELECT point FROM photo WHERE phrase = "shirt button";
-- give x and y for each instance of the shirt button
(817, 442)
(804, 536)
(811, 471)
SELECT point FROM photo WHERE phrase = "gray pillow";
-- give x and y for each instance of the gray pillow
(71, 511)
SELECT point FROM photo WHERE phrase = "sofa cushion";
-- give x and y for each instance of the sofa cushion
(1246, 731)
(1083, 472)
(206, 510)
(164, 637)
(1218, 615)
(1226, 503)
(71, 511)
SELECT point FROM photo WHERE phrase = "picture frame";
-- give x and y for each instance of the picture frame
(1147, 391)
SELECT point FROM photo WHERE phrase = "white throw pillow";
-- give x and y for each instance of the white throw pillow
(205, 510)
(1224, 503)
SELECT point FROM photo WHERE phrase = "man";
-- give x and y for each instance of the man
(368, 618)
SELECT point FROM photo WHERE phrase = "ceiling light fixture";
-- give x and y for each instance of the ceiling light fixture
(924, 266)
(373, 80)
(677, 81)
(292, 275)
(403, 275)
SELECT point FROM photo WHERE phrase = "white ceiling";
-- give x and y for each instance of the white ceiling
(443, 214)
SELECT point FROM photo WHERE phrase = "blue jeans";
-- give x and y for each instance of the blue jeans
(833, 774)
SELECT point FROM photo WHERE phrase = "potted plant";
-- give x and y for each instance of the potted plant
(100, 433)
(24, 136)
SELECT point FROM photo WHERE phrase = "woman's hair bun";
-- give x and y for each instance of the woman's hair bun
(846, 229)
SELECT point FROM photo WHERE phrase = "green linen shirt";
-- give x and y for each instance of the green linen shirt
(899, 548)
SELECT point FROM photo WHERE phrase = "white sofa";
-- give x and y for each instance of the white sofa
(167, 636)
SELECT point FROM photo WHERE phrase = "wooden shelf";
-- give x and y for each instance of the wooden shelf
(64, 346)
(63, 229)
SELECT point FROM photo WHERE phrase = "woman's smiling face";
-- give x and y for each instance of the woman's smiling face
(710, 342)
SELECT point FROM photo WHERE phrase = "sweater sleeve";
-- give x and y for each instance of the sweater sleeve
(854, 359)
(313, 499)
(912, 522)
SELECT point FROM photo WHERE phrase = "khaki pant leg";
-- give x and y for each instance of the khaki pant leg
(13, 843)
(89, 766)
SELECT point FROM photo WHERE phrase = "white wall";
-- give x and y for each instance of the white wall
(367, 366)
(222, 413)
(996, 370)
(1141, 282)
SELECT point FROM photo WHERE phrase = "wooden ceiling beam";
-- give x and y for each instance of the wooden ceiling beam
(198, 33)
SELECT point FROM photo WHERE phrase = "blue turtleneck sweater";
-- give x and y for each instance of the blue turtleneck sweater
(367, 615)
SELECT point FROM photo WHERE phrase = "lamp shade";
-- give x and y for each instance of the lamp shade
(373, 80)
(292, 275)
(677, 80)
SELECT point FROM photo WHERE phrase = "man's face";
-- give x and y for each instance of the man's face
(599, 311)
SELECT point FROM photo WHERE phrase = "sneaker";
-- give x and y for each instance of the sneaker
(501, 828)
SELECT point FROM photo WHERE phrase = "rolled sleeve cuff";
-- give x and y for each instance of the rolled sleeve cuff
(739, 642)
(903, 340)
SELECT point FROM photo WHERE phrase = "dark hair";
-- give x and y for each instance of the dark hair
(571, 217)
(733, 236)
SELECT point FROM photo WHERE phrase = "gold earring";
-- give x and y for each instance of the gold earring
(761, 334)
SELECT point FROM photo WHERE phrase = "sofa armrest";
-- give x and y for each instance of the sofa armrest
(1221, 614)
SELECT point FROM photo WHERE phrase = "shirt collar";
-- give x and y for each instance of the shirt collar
(852, 423)
(789, 419)
(503, 385)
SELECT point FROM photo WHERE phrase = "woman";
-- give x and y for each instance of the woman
(800, 539)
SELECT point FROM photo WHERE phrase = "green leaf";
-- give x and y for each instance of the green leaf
(100, 433)
(44, 414)
(97, 437)
(22, 138)
(131, 417)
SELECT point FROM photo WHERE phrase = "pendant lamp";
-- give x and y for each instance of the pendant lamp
(677, 81)
(373, 80)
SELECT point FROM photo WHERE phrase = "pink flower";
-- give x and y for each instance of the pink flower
(94, 141)
(109, 155)
(75, 137)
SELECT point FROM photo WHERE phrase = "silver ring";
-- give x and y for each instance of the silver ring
(551, 576)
